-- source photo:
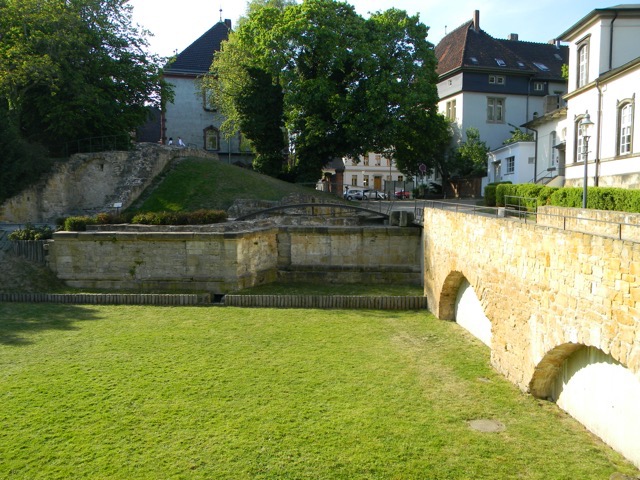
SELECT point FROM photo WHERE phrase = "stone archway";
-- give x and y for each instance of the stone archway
(595, 389)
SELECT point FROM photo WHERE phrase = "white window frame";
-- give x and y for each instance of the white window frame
(497, 79)
(583, 64)
(510, 165)
(451, 110)
(625, 127)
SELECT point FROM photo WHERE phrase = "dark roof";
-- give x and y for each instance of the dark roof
(632, 9)
(197, 57)
(467, 48)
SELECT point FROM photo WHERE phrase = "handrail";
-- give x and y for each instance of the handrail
(622, 230)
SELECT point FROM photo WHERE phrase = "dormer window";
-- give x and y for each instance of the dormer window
(501, 62)
(474, 60)
(521, 64)
(541, 66)
(558, 56)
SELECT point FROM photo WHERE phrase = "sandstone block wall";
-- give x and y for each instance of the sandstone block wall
(621, 225)
(223, 262)
(545, 290)
(92, 182)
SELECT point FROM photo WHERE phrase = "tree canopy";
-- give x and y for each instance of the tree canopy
(74, 69)
(349, 85)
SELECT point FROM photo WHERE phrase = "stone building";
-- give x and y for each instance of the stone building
(190, 116)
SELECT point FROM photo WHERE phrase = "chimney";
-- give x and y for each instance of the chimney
(227, 22)
(476, 21)
(513, 37)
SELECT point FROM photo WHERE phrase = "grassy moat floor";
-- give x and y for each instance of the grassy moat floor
(158, 392)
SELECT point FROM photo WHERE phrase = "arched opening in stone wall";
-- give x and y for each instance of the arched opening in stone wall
(596, 390)
(470, 315)
(459, 302)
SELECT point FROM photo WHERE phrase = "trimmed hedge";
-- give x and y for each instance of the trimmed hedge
(198, 217)
(598, 198)
(490, 193)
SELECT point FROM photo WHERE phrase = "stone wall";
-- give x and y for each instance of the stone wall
(546, 291)
(92, 182)
(225, 261)
(621, 225)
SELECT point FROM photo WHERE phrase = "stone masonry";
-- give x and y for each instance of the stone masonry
(546, 291)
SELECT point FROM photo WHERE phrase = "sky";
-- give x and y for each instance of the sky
(176, 25)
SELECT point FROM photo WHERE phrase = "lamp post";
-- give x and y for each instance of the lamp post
(585, 123)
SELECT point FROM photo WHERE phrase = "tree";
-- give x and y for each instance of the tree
(349, 85)
(74, 69)
(470, 160)
(518, 135)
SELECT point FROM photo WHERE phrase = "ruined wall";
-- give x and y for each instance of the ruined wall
(223, 262)
(92, 182)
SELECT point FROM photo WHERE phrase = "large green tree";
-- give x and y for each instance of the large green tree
(71, 69)
(349, 85)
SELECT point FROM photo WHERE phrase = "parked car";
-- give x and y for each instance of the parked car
(400, 194)
(374, 195)
(354, 194)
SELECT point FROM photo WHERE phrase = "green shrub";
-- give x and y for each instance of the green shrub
(77, 224)
(567, 197)
(198, 217)
(29, 232)
(490, 193)
(111, 218)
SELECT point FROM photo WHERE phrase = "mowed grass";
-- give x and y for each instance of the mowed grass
(197, 183)
(205, 393)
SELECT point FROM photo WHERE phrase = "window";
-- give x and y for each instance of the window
(538, 86)
(354, 180)
(541, 66)
(378, 159)
(531, 160)
(400, 178)
(579, 141)
(451, 110)
(496, 79)
(365, 160)
(583, 65)
(388, 163)
(552, 145)
(625, 122)
(510, 165)
(365, 180)
(495, 110)
(501, 62)
(474, 60)
(211, 138)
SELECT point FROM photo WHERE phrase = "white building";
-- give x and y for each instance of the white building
(604, 81)
(375, 171)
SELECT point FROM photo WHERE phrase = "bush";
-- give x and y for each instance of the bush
(29, 232)
(77, 224)
(110, 218)
(198, 217)
(490, 193)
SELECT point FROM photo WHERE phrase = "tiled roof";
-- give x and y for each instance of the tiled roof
(467, 48)
(197, 57)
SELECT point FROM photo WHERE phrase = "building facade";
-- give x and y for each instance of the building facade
(604, 81)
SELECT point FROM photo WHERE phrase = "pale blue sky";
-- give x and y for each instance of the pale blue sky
(177, 24)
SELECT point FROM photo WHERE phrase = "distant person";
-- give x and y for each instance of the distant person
(170, 141)
(180, 142)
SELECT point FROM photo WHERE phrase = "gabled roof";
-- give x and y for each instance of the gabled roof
(468, 48)
(197, 57)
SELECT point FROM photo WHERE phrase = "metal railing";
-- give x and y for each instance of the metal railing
(93, 144)
(571, 223)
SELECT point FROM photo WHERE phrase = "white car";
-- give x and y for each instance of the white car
(374, 195)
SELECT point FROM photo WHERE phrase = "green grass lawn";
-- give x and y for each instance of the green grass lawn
(202, 393)
(197, 183)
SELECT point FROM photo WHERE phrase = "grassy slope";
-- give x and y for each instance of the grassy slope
(134, 392)
(203, 183)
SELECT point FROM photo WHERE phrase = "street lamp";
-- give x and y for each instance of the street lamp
(585, 123)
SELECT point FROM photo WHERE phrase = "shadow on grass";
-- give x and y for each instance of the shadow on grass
(20, 321)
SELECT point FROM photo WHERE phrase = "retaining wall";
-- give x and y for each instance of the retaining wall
(223, 262)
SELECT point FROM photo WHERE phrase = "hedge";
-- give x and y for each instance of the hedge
(598, 198)
(198, 217)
